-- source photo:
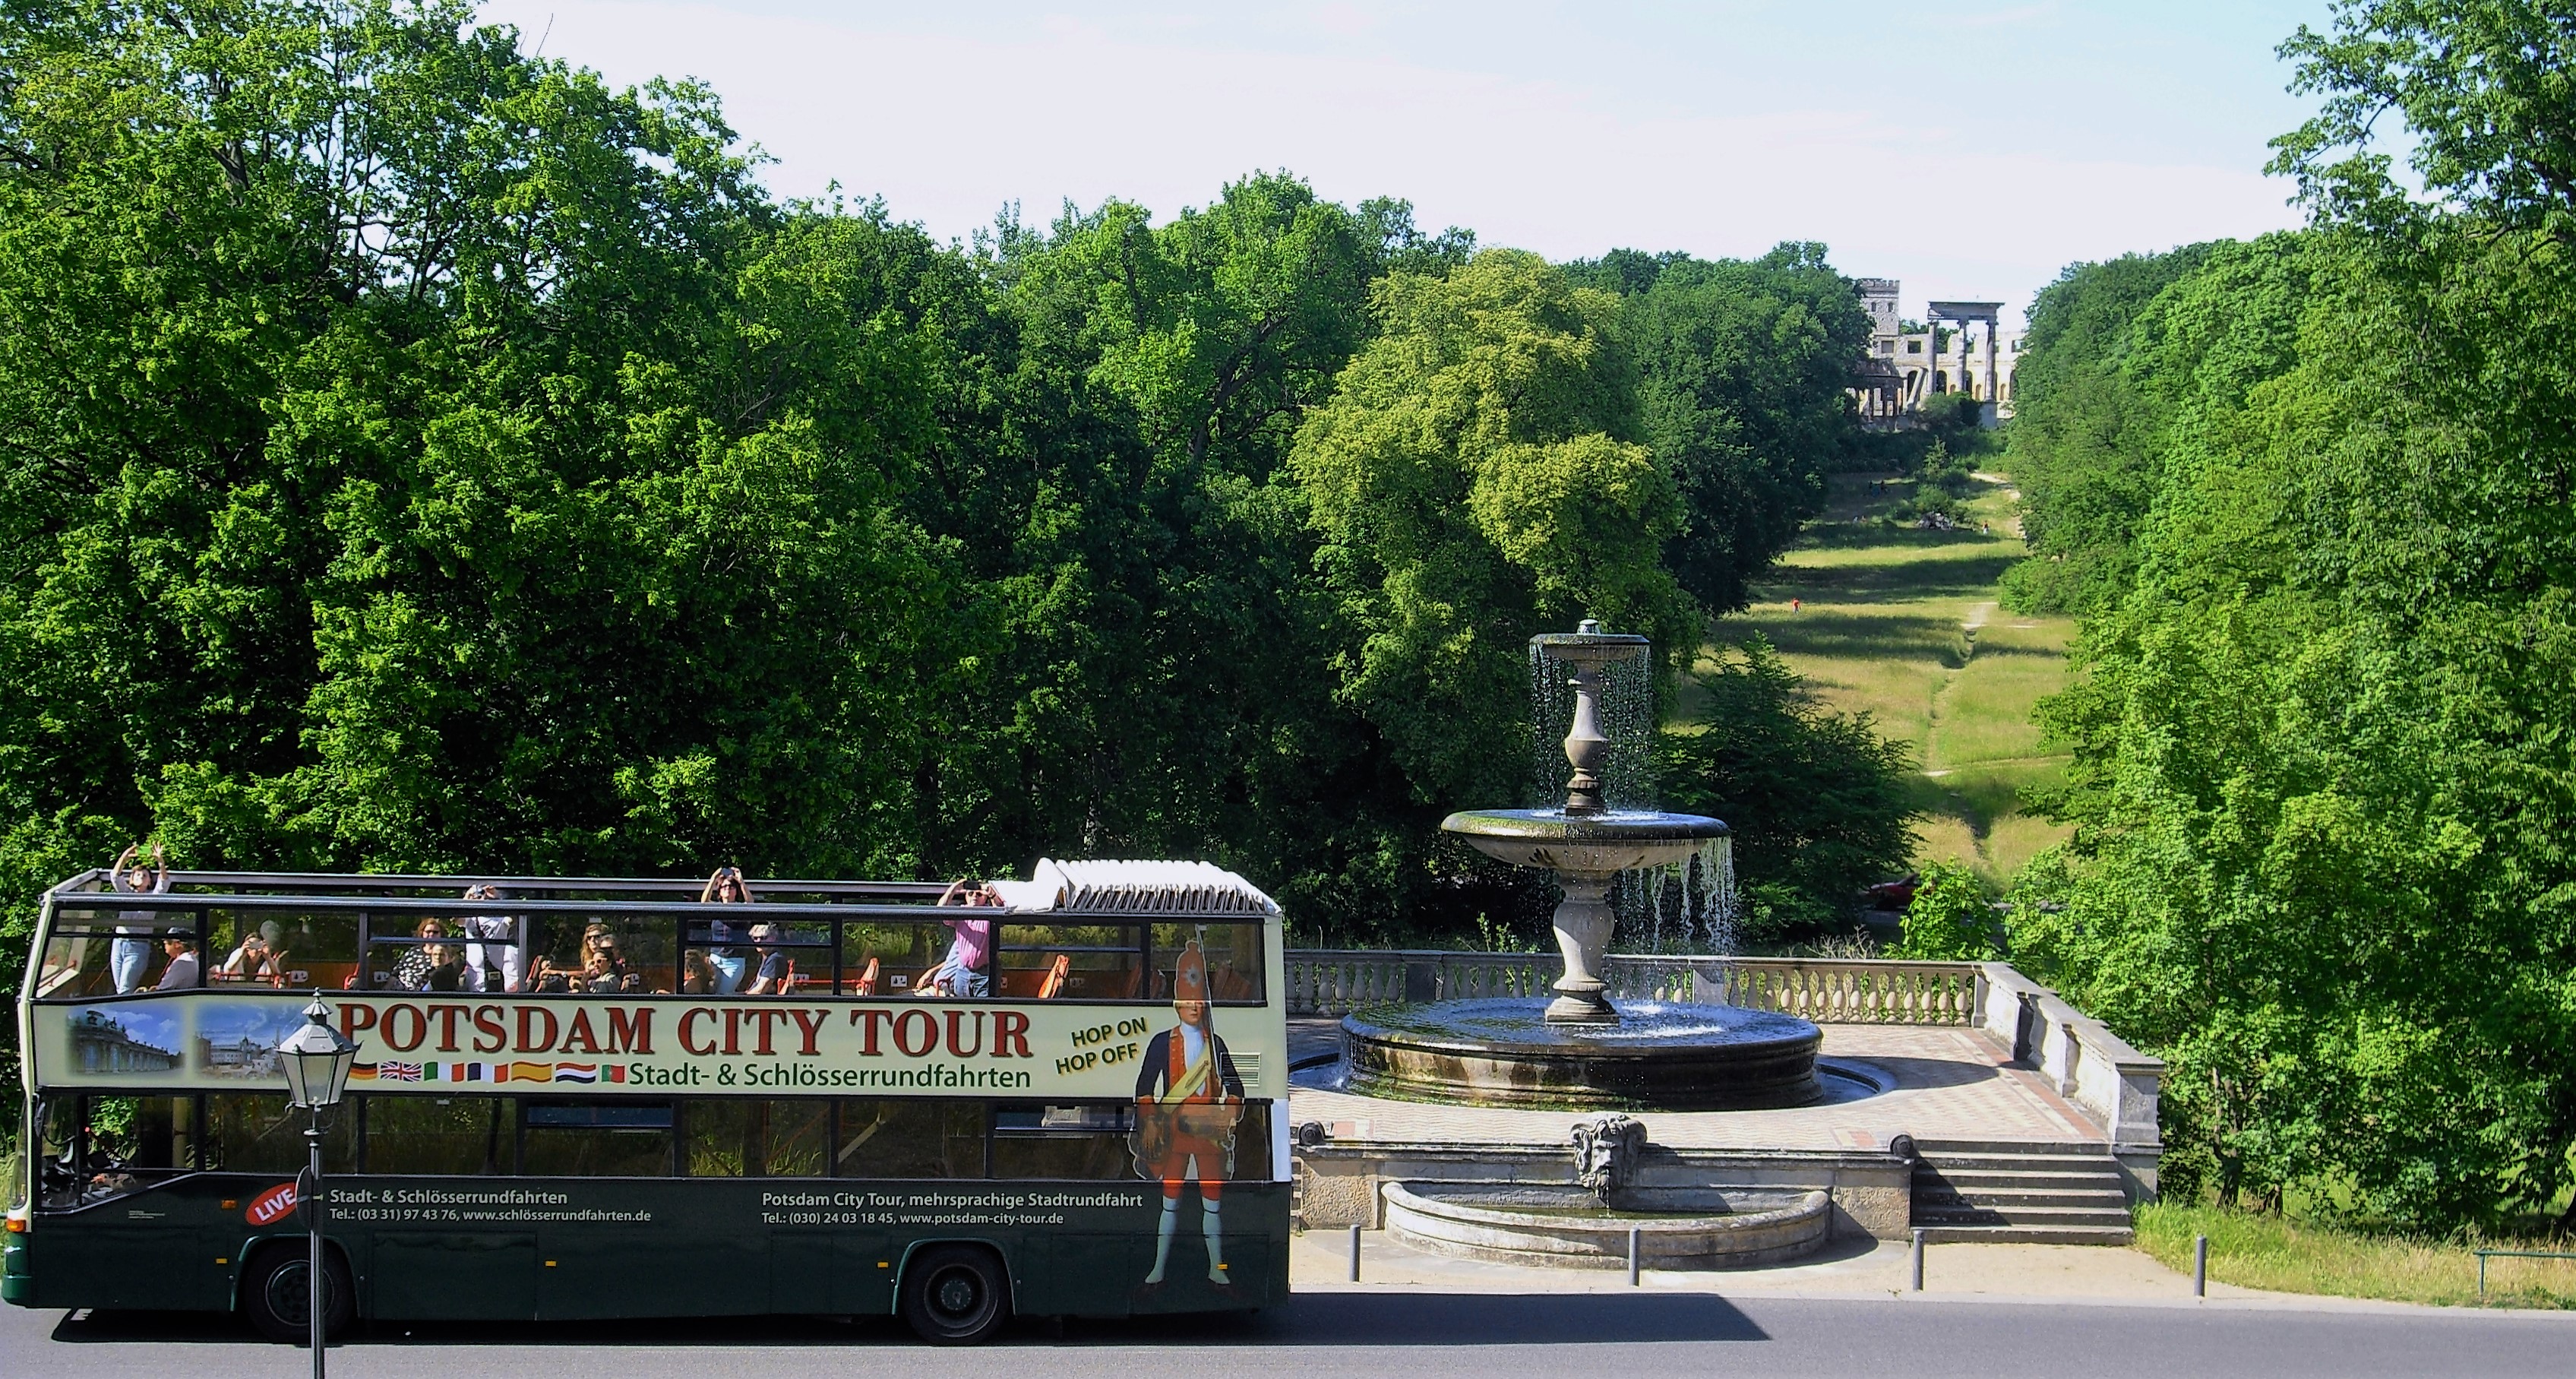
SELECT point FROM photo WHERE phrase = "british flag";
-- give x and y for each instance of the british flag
(398, 1072)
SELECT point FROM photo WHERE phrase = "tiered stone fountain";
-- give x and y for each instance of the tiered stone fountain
(1578, 1051)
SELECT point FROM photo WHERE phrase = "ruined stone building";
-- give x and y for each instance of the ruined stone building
(1963, 348)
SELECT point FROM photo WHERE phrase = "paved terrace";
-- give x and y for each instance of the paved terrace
(1951, 1083)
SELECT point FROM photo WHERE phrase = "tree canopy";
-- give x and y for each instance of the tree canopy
(2323, 787)
(418, 453)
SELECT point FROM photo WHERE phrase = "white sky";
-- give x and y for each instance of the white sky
(1970, 150)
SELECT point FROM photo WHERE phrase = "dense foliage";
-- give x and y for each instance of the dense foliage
(2323, 785)
(415, 453)
(1741, 371)
(1817, 800)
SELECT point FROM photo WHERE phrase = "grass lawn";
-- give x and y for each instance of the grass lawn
(1907, 626)
(2292, 1257)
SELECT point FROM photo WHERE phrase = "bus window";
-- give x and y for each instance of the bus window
(1233, 959)
(910, 1139)
(102, 952)
(597, 1139)
(1101, 960)
(609, 956)
(1086, 1141)
(262, 1134)
(886, 959)
(757, 1139)
(430, 956)
(95, 1148)
(462, 1136)
(282, 949)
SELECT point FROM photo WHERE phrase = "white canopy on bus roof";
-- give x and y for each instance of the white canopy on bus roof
(1135, 887)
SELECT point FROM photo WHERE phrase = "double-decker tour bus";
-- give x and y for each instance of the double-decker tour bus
(598, 1098)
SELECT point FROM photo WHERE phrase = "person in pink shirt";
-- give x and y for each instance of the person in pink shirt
(967, 970)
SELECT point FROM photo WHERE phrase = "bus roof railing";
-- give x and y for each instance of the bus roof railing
(1122, 890)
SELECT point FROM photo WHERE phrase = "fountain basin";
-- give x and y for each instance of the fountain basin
(1589, 844)
(1661, 1056)
(1567, 1227)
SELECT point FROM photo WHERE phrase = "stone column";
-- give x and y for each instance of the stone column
(1993, 397)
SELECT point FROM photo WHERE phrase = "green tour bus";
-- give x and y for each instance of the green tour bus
(601, 1098)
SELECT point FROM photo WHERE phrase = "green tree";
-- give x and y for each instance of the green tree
(1817, 800)
(2323, 791)
(1476, 479)
(1742, 375)
(1949, 919)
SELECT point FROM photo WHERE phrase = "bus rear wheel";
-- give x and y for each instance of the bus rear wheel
(956, 1295)
(278, 1296)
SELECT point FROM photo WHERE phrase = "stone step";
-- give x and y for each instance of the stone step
(1981, 1214)
(1942, 1149)
(2027, 1235)
(2029, 1163)
(2107, 1199)
(2007, 1179)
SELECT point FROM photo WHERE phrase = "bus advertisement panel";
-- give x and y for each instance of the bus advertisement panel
(209, 1041)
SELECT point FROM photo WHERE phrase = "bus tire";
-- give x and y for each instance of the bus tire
(276, 1297)
(956, 1294)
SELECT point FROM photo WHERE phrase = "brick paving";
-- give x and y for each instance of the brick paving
(1951, 1082)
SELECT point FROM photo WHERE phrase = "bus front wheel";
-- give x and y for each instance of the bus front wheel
(278, 1295)
(956, 1294)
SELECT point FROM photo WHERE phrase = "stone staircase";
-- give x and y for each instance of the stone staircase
(2008, 1191)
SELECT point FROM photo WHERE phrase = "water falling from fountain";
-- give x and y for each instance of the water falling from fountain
(1689, 906)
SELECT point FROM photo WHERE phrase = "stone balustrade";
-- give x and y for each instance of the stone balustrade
(1827, 991)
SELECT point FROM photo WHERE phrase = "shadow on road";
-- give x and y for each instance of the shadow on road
(1423, 1319)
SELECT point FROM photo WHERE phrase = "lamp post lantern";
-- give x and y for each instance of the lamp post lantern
(317, 1060)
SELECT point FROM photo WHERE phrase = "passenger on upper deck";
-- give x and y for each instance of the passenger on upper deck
(429, 966)
(181, 974)
(257, 959)
(602, 968)
(775, 971)
(967, 969)
(726, 887)
(509, 934)
(129, 958)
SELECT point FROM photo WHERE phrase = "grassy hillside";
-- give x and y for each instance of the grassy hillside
(1906, 625)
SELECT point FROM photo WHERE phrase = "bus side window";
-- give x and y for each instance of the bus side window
(76, 961)
(282, 949)
(898, 953)
(1083, 1141)
(597, 1139)
(1102, 961)
(906, 1138)
(459, 1136)
(252, 1133)
(744, 1138)
(1234, 959)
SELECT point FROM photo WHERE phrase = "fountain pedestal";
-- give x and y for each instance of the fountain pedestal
(1583, 923)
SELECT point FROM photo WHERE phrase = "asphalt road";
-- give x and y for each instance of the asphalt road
(1410, 1336)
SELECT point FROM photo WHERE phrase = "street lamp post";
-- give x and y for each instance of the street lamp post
(317, 1059)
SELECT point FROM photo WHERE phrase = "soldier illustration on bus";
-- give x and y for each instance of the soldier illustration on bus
(1188, 1098)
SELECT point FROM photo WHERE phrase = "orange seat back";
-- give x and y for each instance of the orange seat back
(1056, 972)
(866, 985)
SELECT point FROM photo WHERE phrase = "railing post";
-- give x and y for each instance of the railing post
(1918, 1259)
(1355, 1254)
(2200, 1268)
(1633, 1234)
